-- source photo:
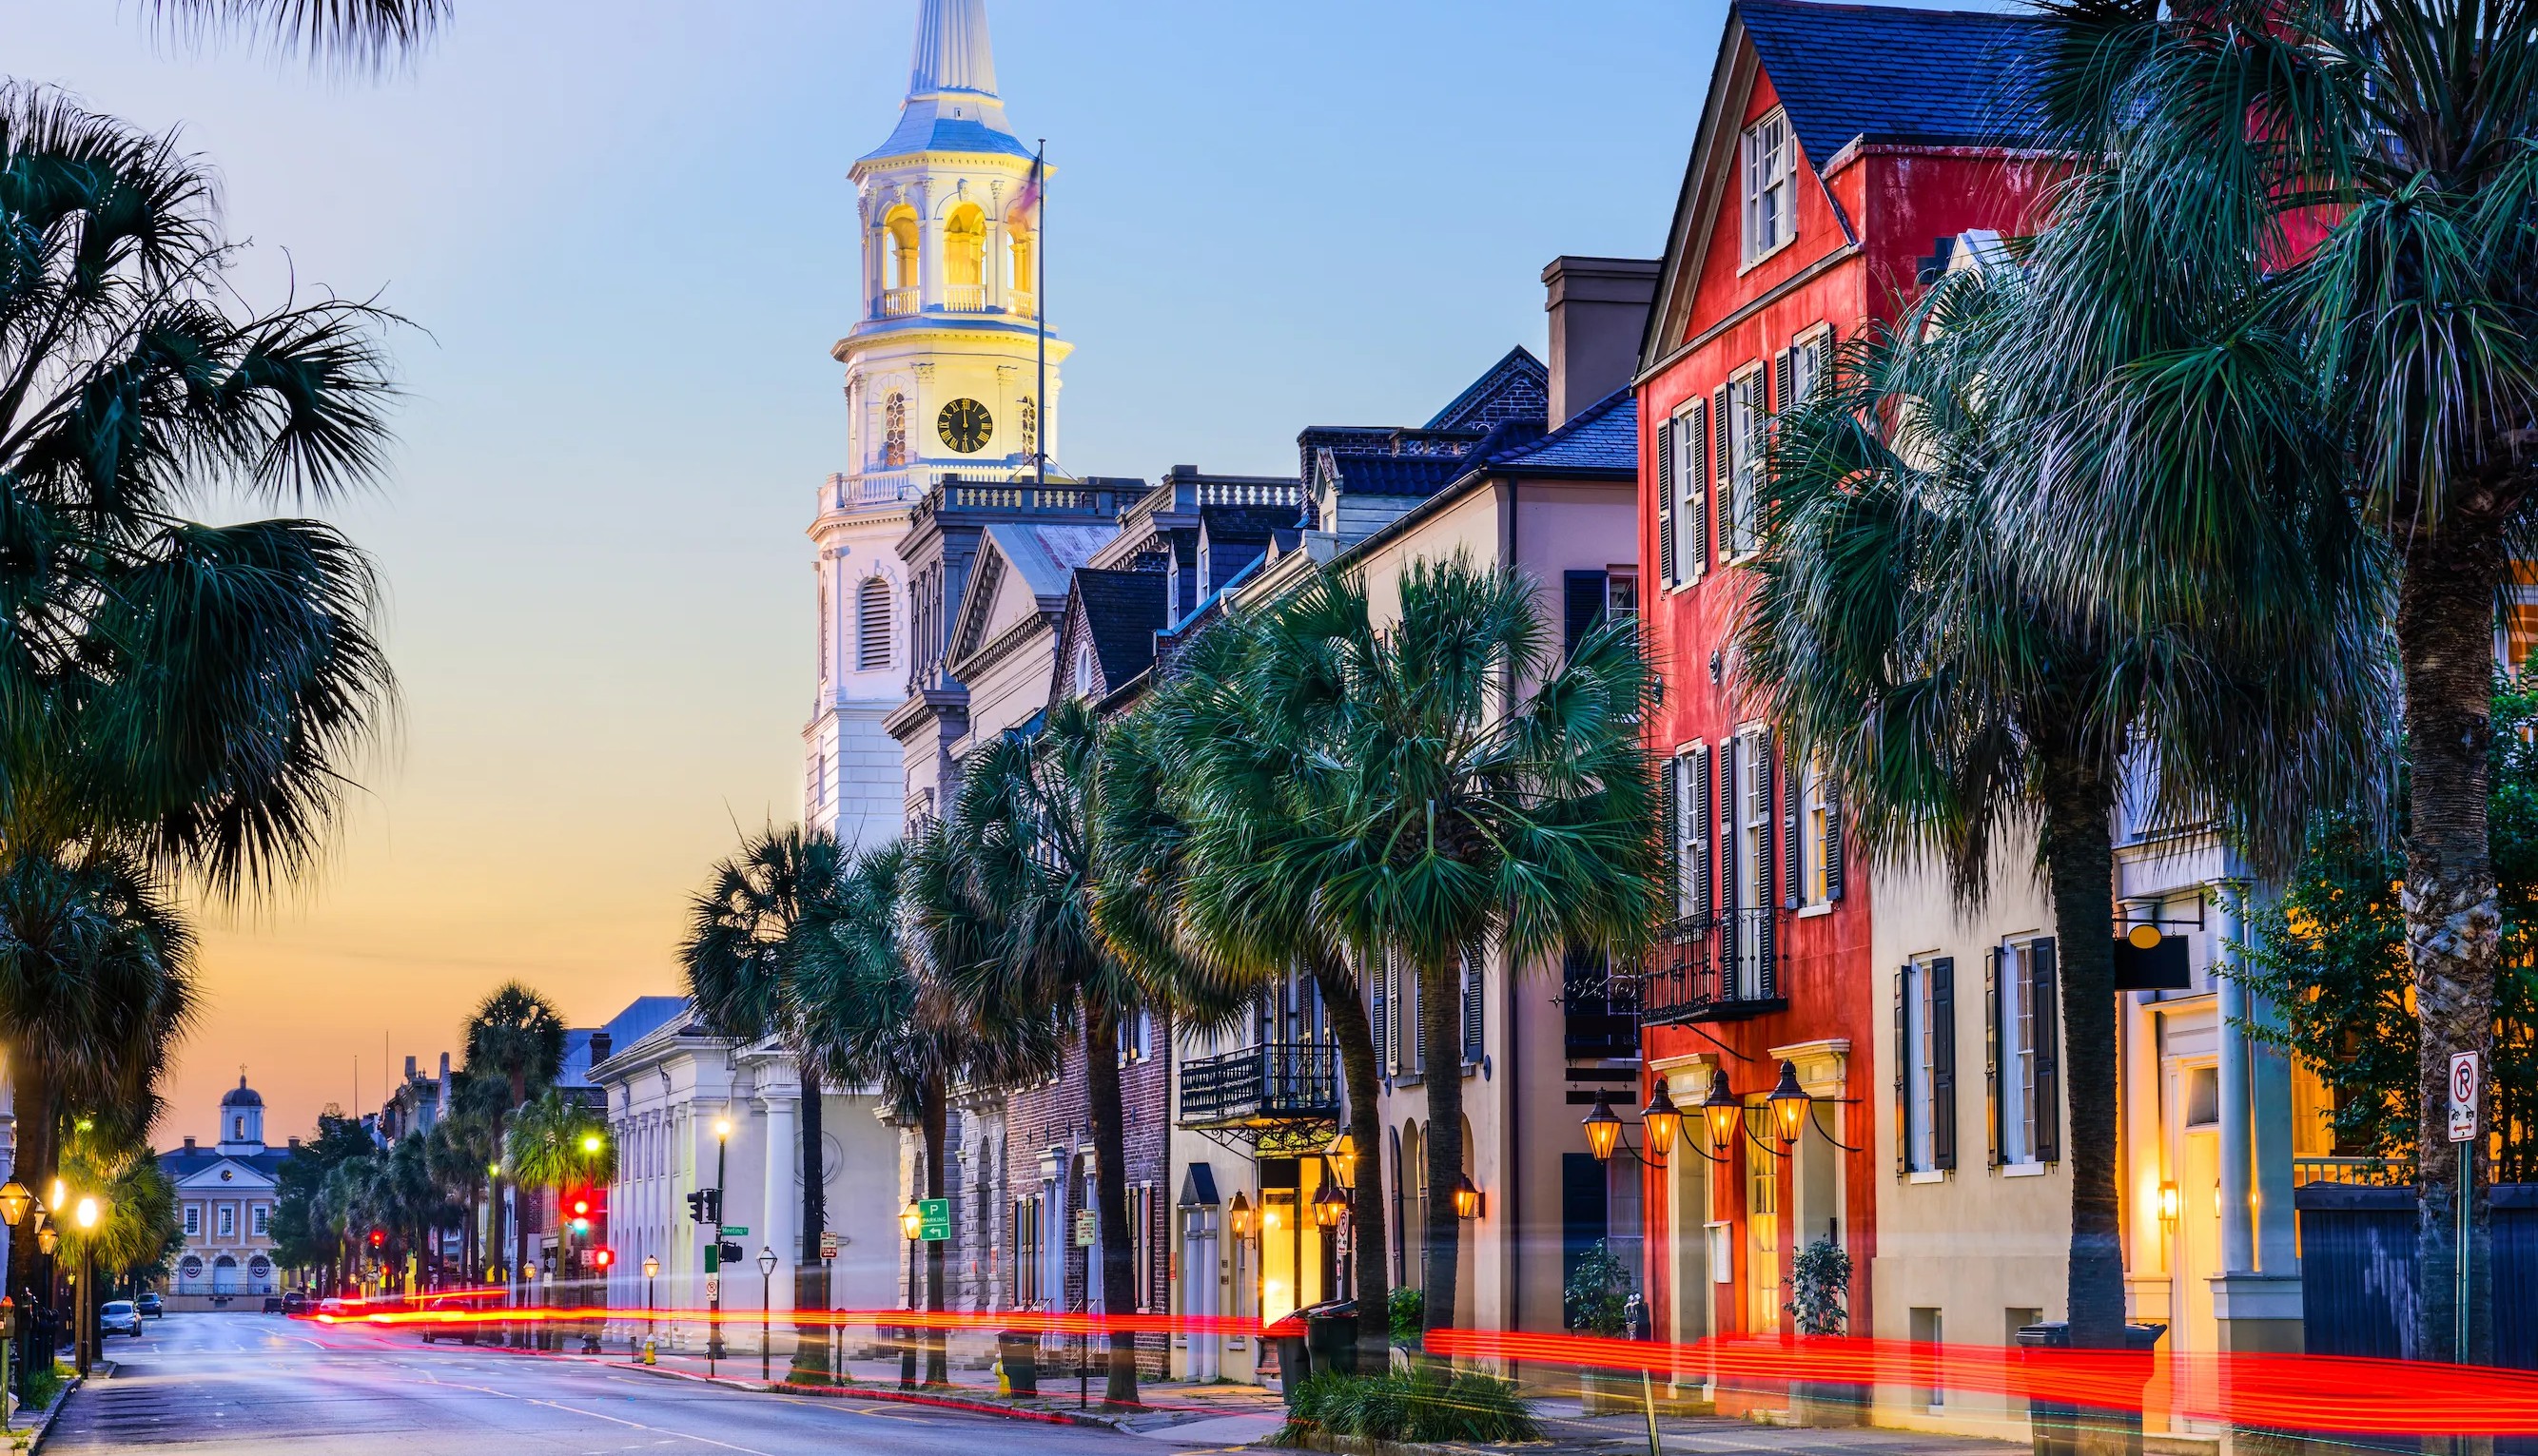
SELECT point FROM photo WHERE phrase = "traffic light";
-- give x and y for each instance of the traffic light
(714, 1205)
(603, 1256)
(580, 1206)
(696, 1207)
(730, 1253)
(378, 1238)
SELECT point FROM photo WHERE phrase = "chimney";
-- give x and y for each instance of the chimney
(409, 1069)
(1599, 309)
(189, 1145)
(295, 1144)
(442, 1101)
(601, 1044)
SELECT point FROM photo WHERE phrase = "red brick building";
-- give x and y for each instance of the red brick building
(1840, 147)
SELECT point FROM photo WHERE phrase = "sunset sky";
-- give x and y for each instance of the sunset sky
(624, 234)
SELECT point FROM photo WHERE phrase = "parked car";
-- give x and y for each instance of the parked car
(151, 1306)
(295, 1302)
(118, 1318)
(273, 1303)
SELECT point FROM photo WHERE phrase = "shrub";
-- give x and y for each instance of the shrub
(1600, 1291)
(1407, 1308)
(1422, 1406)
(1819, 1286)
(44, 1385)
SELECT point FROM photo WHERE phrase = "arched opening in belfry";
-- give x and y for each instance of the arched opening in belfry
(1018, 255)
(900, 224)
(965, 258)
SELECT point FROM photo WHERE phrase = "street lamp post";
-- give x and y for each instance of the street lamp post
(765, 1312)
(83, 1326)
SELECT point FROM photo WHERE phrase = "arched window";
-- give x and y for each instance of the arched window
(964, 259)
(901, 225)
(1018, 251)
(1085, 677)
(894, 430)
(872, 624)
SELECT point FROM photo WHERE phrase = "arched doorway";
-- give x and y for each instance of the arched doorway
(224, 1276)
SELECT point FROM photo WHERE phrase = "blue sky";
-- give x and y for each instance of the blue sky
(624, 235)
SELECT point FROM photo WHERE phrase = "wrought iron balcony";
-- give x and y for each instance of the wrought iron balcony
(1720, 966)
(1270, 1084)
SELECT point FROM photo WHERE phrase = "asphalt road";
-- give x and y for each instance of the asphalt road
(259, 1383)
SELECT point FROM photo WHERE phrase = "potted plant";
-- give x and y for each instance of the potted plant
(1818, 1306)
(1598, 1301)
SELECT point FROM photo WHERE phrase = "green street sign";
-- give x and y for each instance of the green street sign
(735, 1230)
(933, 1220)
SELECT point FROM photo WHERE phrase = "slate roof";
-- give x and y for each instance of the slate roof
(1516, 387)
(184, 1163)
(1604, 438)
(1122, 612)
(923, 129)
(241, 1095)
(1396, 475)
(1890, 73)
(1246, 523)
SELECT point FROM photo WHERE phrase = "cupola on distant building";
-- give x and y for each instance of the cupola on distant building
(225, 1194)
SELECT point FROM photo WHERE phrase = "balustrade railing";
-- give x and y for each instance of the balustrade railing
(1278, 1080)
(899, 303)
(2373, 1172)
(1022, 301)
(964, 297)
(1714, 967)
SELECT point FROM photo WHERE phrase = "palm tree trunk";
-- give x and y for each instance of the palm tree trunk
(810, 1275)
(1110, 1191)
(34, 1166)
(937, 1117)
(1371, 1247)
(2079, 855)
(1440, 1021)
(2453, 912)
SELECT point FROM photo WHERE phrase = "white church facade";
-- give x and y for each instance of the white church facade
(944, 380)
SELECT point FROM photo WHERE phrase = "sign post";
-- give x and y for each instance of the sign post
(2464, 1105)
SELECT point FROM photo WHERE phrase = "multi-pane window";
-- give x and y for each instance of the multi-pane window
(2025, 1049)
(193, 1221)
(1750, 813)
(1763, 1243)
(1742, 522)
(1769, 159)
(1025, 1245)
(1141, 1242)
(261, 1214)
(228, 1221)
(1812, 885)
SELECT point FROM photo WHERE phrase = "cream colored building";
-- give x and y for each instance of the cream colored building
(225, 1197)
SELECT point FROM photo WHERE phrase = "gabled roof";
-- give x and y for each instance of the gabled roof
(1246, 523)
(1890, 73)
(1117, 613)
(1603, 439)
(1516, 387)
(1886, 74)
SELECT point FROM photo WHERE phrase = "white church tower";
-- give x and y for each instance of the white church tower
(942, 379)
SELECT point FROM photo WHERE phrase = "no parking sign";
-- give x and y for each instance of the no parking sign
(2463, 1079)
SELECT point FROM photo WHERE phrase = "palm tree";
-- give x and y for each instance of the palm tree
(1199, 796)
(1899, 628)
(459, 1153)
(355, 32)
(2339, 269)
(1016, 860)
(1457, 781)
(553, 1144)
(740, 977)
(514, 1038)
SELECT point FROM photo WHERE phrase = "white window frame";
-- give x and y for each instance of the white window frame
(259, 1220)
(193, 1221)
(1810, 356)
(2016, 987)
(1691, 554)
(1814, 886)
(1685, 762)
(227, 1222)
(1920, 1078)
(1741, 519)
(1751, 816)
(1767, 167)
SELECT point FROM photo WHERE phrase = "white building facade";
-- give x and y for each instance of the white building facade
(225, 1197)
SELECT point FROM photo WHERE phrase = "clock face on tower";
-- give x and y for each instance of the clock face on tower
(965, 426)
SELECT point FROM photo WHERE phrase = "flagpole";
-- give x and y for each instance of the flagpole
(1039, 310)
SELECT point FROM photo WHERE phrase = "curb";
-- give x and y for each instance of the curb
(44, 1427)
(1353, 1445)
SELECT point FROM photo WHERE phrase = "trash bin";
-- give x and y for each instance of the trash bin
(1019, 1352)
(2053, 1425)
(1330, 1334)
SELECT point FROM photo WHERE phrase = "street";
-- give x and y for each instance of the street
(255, 1383)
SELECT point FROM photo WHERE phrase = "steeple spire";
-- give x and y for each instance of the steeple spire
(952, 50)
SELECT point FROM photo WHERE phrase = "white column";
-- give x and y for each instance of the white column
(2238, 1106)
(929, 250)
(783, 1201)
(996, 261)
(2270, 1076)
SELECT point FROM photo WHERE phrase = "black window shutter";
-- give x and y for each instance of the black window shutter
(1832, 836)
(1992, 1049)
(1702, 827)
(1665, 503)
(1584, 598)
(1793, 885)
(1727, 887)
(1382, 982)
(1697, 489)
(1766, 932)
(2045, 989)
(1414, 1004)
(1780, 381)
(1472, 994)
(1903, 1073)
(1943, 1062)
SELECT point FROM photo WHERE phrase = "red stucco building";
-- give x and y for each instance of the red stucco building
(1841, 150)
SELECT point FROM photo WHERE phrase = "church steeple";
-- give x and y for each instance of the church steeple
(952, 103)
(952, 50)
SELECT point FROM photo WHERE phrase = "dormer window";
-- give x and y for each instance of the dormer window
(1769, 159)
(1085, 677)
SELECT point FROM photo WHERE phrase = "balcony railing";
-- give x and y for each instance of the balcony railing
(899, 303)
(1273, 1082)
(1720, 966)
(2374, 1173)
(964, 297)
(879, 487)
(1020, 301)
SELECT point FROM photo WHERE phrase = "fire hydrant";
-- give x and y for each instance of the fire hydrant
(650, 1357)
(1003, 1385)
